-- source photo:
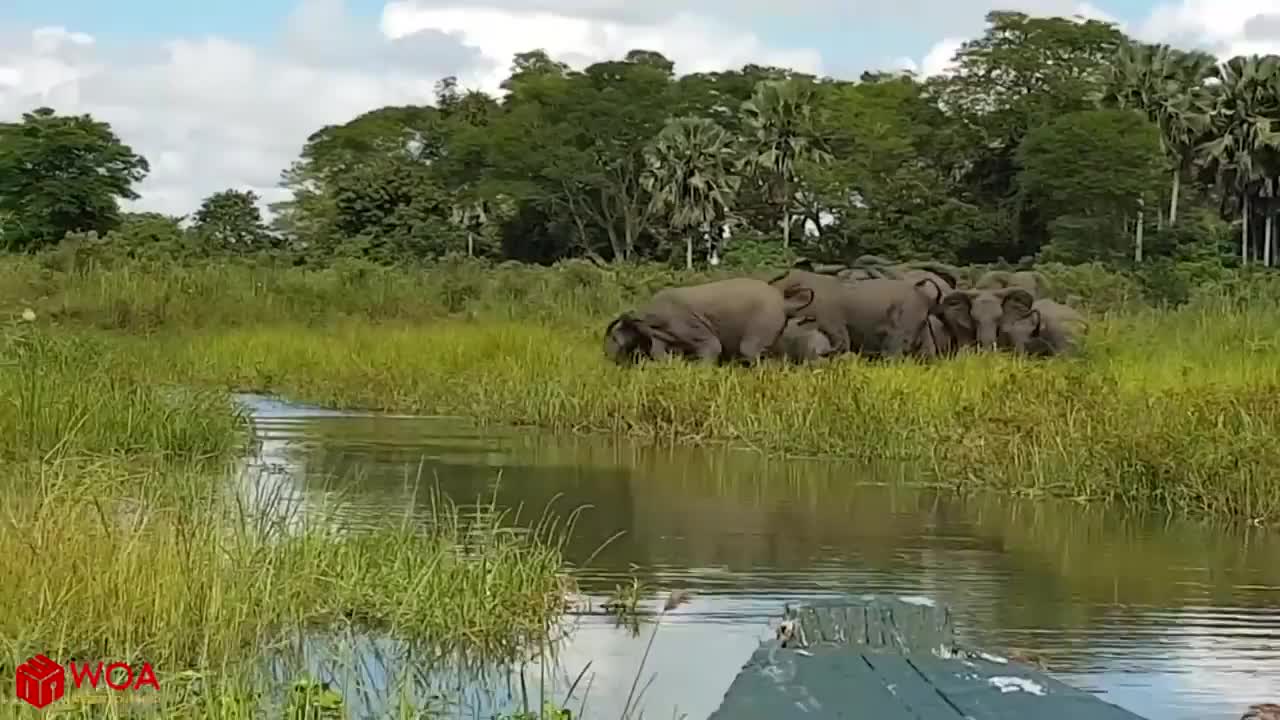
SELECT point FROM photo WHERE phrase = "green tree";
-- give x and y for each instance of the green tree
(1023, 72)
(230, 220)
(61, 174)
(392, 209)
(1169, 86)
(1090, 171)
(690, 174)
(1242, 151)
(333, 152)
(779, 118)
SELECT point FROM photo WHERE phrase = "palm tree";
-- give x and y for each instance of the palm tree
(1169, 86)
(690, 174)
(779, 117)
(1243, 150)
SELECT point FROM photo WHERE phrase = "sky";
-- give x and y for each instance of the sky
(221, 95)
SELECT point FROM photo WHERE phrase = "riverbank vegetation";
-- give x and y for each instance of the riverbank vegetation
(1168, 406)
(129, 533)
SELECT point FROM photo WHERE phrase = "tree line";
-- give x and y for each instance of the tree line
(1051, 138)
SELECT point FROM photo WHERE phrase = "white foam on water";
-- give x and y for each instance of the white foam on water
(917, 600)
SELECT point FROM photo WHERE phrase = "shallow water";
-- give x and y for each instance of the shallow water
(1170, 620)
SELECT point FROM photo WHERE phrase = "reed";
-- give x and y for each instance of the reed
(66, 396)
(1168, 407)
(156, 563)
(1175, 410)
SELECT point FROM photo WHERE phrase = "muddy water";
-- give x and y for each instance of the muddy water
(1172, 621)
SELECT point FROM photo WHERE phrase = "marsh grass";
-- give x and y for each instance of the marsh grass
(1167, 408)
(64, 396)
(1177, 410)
(160, 564)
(146, 296)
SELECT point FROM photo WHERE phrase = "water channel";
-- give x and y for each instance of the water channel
(1171, 620)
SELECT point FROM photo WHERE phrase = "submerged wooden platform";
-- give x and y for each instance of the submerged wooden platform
(893, 658)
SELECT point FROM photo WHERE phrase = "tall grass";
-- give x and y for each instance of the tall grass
(142, 297)
(64, 396)
(166, 566)
(1168, 407)
(121, 539)
(1183, 417)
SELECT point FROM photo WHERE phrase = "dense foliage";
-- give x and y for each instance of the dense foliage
(1051, 138)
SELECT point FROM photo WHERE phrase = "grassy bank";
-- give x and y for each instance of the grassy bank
(1182, 417)
(141, 296)
(1173, 408)
(122, 539)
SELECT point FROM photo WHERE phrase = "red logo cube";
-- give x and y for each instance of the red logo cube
(40, 681)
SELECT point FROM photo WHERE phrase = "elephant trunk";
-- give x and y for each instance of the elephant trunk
(987, 338)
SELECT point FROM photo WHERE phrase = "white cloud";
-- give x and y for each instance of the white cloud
(211, 113)
(694, 43)
(1241, 27)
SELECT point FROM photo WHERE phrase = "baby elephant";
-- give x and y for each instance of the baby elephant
(1050, 328)
(802, 341)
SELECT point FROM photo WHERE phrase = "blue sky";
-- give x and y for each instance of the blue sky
(888, 34)
(231, 104)
(125, 20)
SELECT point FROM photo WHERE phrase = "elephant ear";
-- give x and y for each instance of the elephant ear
(954, 309)
(937, 289)
(627, 329)
(1037, 319)
(797, 299)
(1017, 301)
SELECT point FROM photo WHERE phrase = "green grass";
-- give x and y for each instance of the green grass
(1181, 417)
(162, 564)
(120, 539)
(1168, 408)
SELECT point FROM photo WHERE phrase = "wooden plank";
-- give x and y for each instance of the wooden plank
(986, 690)
(887, 658)
(827, 683)
(877, 623)
(911, 688)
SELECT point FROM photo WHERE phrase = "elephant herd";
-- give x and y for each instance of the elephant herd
(873, 309)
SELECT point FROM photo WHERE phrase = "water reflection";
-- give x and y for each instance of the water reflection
(1170, 620)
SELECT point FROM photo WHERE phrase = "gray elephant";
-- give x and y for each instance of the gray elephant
(878, 317)
(1050, 328)
(948, 273)
(720, 321)
(974, 318)
(1029, 280)
(934, 340)
(802, 341)
(913, 275)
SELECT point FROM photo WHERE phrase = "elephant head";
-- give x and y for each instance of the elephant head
(1021, 331)
(629, 337)
(979, 317)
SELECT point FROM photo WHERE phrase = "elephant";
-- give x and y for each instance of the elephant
(802, 341)
(1050, 328)
(878, 317)
(934, 340)
(1029, 280)
(719, 321)
(976, 317)
(944, 283)
(858, 274)
(948, 273)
